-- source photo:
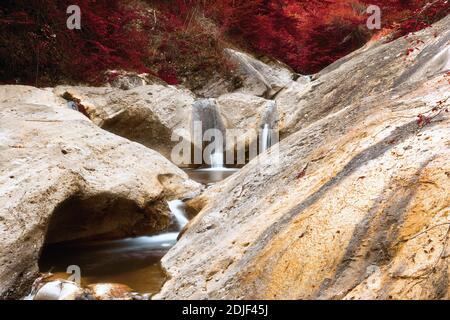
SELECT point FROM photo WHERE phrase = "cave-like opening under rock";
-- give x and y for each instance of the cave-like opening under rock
(108, 239)
(104, 217)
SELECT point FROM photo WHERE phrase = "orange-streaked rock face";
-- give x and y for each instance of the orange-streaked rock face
(358, 204)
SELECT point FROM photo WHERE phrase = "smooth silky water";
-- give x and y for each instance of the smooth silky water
(134, 262)
(210, 176)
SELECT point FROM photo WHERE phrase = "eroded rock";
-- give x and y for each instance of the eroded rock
(354, 206)
(62, 178)
(153, 115)
(374, 69)
(259, 78)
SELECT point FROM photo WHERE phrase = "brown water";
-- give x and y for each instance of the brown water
(210, 176)
(133, 262)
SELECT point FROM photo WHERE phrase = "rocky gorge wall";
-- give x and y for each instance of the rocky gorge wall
(355, 205)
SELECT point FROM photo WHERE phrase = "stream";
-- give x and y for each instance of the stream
(134, 262)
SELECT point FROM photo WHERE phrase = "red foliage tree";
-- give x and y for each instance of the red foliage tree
(309, 35)
(37, 47)
(175, 39)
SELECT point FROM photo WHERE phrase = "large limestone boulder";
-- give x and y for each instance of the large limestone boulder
(62, 178)
(250, 76)
(27, 94)
(259, 78)
(353, 205)
(243, 111)
(154, 115)
(372, 70)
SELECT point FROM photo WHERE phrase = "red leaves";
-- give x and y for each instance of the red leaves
(302, 172)
(409, 51)
(309, 35)
(40, 49)
(306, 34)
(423, 120)
(421, 14)
(169, 75)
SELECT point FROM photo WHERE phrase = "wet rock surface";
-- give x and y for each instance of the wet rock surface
(352, 204)
(259, 78)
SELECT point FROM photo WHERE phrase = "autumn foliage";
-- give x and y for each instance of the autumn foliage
(310, 34)
(37, 46)
(182, 40)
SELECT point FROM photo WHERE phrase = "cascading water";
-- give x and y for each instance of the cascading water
(266, 138)
(269, 127)
(209, 134)
(168, 239)
(136, 261)
(217, 160)
(207, 120)
(178, 209)
(133, 261)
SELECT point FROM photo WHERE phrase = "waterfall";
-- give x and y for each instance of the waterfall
(207, 116)
(161, 241)
(269, 127)
(266, 138)
(217, 159)
(177, 207)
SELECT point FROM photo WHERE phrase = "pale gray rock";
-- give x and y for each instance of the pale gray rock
(154, 115)
(259, 78)
(59, 290)
(376, 68)
(28, 94)
(63, 178)
(126, 80)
